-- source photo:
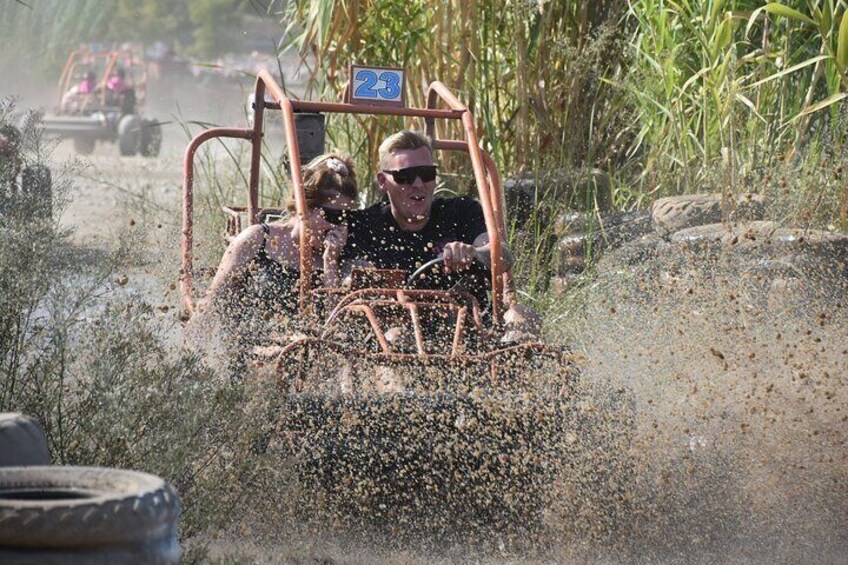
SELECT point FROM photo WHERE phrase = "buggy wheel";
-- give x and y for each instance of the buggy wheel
(151, 138)
(84, 145)
(129, 135)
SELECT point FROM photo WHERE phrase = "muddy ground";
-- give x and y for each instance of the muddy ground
(738, 448)
(739, 451)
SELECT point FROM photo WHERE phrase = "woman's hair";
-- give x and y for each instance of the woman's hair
(325, 178)
(401, 140)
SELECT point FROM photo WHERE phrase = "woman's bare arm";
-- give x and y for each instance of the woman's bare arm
(334, 241)
(238, 255)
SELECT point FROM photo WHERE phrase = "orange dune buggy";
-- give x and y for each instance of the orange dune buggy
(451, 413)
(102, 114)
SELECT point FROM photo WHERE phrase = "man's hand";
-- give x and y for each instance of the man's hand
(458, 256)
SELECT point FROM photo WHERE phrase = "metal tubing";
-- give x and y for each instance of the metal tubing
(375, 326)
(404, 296)
(381, 358)
(287, 106)
(460, 330)
(343, 108)
(256, 151)
(66, 72)
(188, 206)
(416, 327)
(439, 90)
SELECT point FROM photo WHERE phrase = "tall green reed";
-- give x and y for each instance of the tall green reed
(733, 85)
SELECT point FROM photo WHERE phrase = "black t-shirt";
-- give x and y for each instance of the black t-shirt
(374, 234)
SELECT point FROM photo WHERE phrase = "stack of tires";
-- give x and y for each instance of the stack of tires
(28, 184)
(88, 515)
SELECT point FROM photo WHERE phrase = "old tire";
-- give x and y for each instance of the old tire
(129, 135)
(151, 138)
(22, 441)
(84, 145)
(675, 213)
(86, 515)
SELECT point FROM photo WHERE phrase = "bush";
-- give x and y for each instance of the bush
(100, 370)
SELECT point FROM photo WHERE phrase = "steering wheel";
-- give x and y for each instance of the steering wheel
(431, 275)
(426, 272)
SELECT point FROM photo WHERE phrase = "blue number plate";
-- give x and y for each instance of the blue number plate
(377, 85)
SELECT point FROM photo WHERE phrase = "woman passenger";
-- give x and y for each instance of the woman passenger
(259, 269)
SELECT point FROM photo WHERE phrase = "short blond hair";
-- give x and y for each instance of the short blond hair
(403, 140)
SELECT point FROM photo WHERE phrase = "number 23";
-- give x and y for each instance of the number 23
(369, 80)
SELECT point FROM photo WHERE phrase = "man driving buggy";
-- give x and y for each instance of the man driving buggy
(411, 227)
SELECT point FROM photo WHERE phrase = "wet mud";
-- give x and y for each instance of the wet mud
(737, 361)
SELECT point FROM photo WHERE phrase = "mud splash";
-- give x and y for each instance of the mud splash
(737, 362)
(713, 393)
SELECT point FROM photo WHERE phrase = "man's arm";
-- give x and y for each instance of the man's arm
(458, 256)
(481, 245)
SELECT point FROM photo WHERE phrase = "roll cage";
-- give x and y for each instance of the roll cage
(102, 63)
(485, 173)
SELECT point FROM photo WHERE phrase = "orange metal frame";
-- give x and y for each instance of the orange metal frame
(485, 173)
(365, 302)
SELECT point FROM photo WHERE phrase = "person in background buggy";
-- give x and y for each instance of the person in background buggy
(119, 92)
(81, 95)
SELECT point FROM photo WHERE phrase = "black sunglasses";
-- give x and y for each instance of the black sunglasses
(427, 173)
